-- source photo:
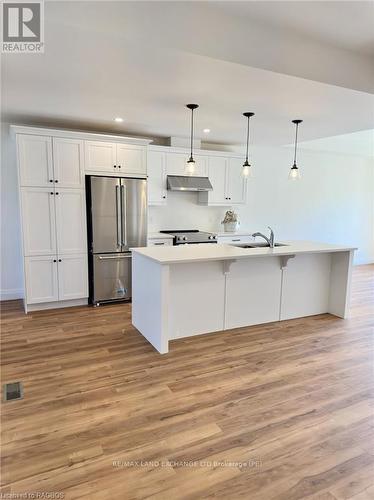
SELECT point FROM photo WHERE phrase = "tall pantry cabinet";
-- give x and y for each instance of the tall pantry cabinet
(52, 200)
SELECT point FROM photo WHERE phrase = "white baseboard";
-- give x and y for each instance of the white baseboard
(13, 294)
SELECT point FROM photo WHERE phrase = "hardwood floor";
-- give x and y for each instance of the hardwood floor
(279, 411)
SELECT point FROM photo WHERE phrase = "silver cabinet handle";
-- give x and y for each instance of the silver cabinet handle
(114, 257)
(158, 244)
(236, 239)
(117, 217)
(124, 215)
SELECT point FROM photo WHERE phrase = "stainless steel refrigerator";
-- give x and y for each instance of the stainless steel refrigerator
(117, 222)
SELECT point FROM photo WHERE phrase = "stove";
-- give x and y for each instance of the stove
(191, 236)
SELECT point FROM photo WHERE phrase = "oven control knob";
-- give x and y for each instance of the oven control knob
(210, 237)
(184, 238)
(214, 237)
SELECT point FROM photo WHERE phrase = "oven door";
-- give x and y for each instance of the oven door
(112, 277)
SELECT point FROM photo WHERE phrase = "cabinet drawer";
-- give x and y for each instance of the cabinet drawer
(160, 242)
(232, 240)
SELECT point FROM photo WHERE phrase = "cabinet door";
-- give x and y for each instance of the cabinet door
(176, 164)
(68, 162)
(236, 183)
(70, 221)
(41, 279)
(35, 160)
(131, 159)
(100, 156)
(72, 277)
(38, 221)
(217, 176)
(156, 178)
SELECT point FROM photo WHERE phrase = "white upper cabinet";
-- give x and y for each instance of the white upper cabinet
(70, 221)
(35, 160)
(157, 192)
(115, 158)
(229, 185)
(100, 156)
(236, 183)
(38, 220)
(131, 159)
(68, 162)
(217, 177)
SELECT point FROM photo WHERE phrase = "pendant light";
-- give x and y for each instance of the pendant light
(294, 174)
(247, 171)
(191, 165)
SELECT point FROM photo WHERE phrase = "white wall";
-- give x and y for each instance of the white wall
(333, 202)
(11, 282)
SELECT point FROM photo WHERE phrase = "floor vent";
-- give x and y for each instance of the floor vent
(13, 391)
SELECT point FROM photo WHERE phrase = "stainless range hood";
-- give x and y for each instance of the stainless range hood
(188, 183)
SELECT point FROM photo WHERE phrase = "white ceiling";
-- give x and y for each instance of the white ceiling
(348, 25)
(144, 62)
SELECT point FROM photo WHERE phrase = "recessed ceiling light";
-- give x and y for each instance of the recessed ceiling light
(118, 119)
(206, 130)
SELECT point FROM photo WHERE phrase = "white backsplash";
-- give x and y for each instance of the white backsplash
(183, 212)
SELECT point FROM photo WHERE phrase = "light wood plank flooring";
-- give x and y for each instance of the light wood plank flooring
(279, 411)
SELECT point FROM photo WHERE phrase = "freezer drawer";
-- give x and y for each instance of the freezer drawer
(111, 277)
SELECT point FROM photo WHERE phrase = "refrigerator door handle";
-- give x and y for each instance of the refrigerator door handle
(124, 216)
(118, 218)
(113, 257)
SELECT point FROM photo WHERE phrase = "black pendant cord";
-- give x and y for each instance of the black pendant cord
(192, 107)
(294, 158)
(248, 116)
(297, 123)
(246, 156)
(191, 158)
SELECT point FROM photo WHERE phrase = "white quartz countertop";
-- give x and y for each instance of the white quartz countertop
(206, 252)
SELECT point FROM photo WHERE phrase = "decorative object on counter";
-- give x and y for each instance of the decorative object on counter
(230, 222)
(294, 174)
(191, 164)
(247, 170)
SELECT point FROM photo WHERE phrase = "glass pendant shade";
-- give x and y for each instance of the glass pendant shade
(247, 170)
(294, 174)
(190, 166)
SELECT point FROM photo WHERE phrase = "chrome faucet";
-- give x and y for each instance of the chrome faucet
(269, 240)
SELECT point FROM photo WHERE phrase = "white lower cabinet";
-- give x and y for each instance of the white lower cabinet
(72, 277)
(55, 278)
(235, 239)
(159, 242)
(41, 279)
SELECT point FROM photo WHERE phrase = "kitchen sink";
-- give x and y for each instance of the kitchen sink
(259, 245)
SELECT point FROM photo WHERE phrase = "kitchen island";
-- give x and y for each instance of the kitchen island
(180, 291)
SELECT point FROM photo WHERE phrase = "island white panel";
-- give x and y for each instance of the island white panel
(306, 286)
(197, 293)
(150, 290)
(253, 292)
(340, 285)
